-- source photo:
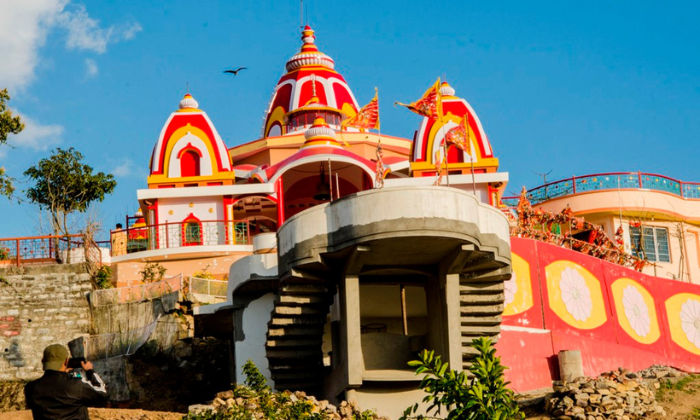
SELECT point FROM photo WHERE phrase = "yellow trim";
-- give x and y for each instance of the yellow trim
(163, 179)
(479, 164)
(196, 110)
(618, 288)
(277, 115)
(311, 68)
(348, 110)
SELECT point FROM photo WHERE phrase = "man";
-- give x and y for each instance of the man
(118, 240)
(58, 395)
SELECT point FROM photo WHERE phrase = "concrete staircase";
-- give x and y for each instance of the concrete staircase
(295, 336)
(481, 299)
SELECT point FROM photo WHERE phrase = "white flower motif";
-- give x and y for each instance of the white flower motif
(636, 311)
(511, 288)
(575, 294)
(690, 321)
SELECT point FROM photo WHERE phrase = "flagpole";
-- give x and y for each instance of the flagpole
(472, 152)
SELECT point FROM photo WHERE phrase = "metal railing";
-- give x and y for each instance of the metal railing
(179, 234)
(209, 287)
(138, 293)
(39, 249)
(609, 181)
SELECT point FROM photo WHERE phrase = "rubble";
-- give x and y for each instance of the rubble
(256, 403)
(618, 395)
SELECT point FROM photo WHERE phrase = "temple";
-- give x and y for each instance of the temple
(346, 252)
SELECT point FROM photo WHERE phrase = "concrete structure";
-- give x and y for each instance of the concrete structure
(348, 252)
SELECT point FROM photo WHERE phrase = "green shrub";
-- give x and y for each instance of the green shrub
(103, 277)
(152, 272)
(484, 397)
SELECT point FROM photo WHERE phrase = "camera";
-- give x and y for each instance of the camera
(75, 362)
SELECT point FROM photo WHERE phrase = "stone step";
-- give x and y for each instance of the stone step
(467, 340)
(481, 288)
(303, 289)
(301, 311)
(470, 310)
(298, 352)
(278, 320)
(480, 319)
(490, 299)
(294, 330)
(469, 330)
(298, 300)
(289, 341)
(469, 352)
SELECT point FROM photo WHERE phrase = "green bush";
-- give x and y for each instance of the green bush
(103, 278)
(484, 397)
(152, 272)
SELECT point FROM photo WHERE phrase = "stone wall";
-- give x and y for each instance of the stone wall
(39, 306)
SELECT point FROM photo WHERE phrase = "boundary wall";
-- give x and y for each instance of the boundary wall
(560, 299)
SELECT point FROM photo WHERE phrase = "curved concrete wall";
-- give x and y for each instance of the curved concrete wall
(394, 212)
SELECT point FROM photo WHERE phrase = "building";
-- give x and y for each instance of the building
(344, 260)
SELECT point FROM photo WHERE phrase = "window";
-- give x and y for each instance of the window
(650, 241)
(189, 163)
(193, 234)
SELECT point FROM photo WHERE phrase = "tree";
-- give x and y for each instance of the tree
(485, 397)
(9, 124)
(65, 185)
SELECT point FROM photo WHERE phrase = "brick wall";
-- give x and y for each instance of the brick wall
(39, 306)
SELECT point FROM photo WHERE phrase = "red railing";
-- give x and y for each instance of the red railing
(179, 234)
(609, 181)
(38, 249)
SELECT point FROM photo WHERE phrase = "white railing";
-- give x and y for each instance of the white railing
(138, 293)
(210, 287)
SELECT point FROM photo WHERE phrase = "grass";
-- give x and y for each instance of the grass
(687, 385)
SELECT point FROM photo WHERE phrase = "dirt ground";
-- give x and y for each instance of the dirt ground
(681, 401)
(104, 414)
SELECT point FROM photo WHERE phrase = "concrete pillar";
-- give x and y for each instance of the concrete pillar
(570, 365)
(352, 329)
(453, 323)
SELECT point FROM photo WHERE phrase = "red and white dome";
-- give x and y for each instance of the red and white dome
(189, 146)
(309, 73)
(429, 137)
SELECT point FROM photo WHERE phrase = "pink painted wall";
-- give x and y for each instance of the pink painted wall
(559, 299)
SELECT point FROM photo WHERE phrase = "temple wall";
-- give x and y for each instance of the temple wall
(559, 299)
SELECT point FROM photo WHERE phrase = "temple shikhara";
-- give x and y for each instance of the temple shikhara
(347, 250)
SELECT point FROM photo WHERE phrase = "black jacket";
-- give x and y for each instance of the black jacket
(60, 396)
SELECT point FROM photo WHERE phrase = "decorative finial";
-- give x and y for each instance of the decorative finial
(188, 102)
(446, 89)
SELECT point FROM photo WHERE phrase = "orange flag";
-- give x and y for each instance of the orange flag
(367, 117)
(429, 105)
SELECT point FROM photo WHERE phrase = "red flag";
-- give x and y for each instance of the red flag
(367, 117)
(429, 105)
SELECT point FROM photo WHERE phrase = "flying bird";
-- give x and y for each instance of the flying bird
(235, 72)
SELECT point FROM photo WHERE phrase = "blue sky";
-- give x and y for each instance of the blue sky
(575, 88)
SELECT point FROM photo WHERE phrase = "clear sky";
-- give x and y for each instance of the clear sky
(568, 87)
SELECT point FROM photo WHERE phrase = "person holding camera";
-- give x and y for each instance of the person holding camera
(60, 395)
